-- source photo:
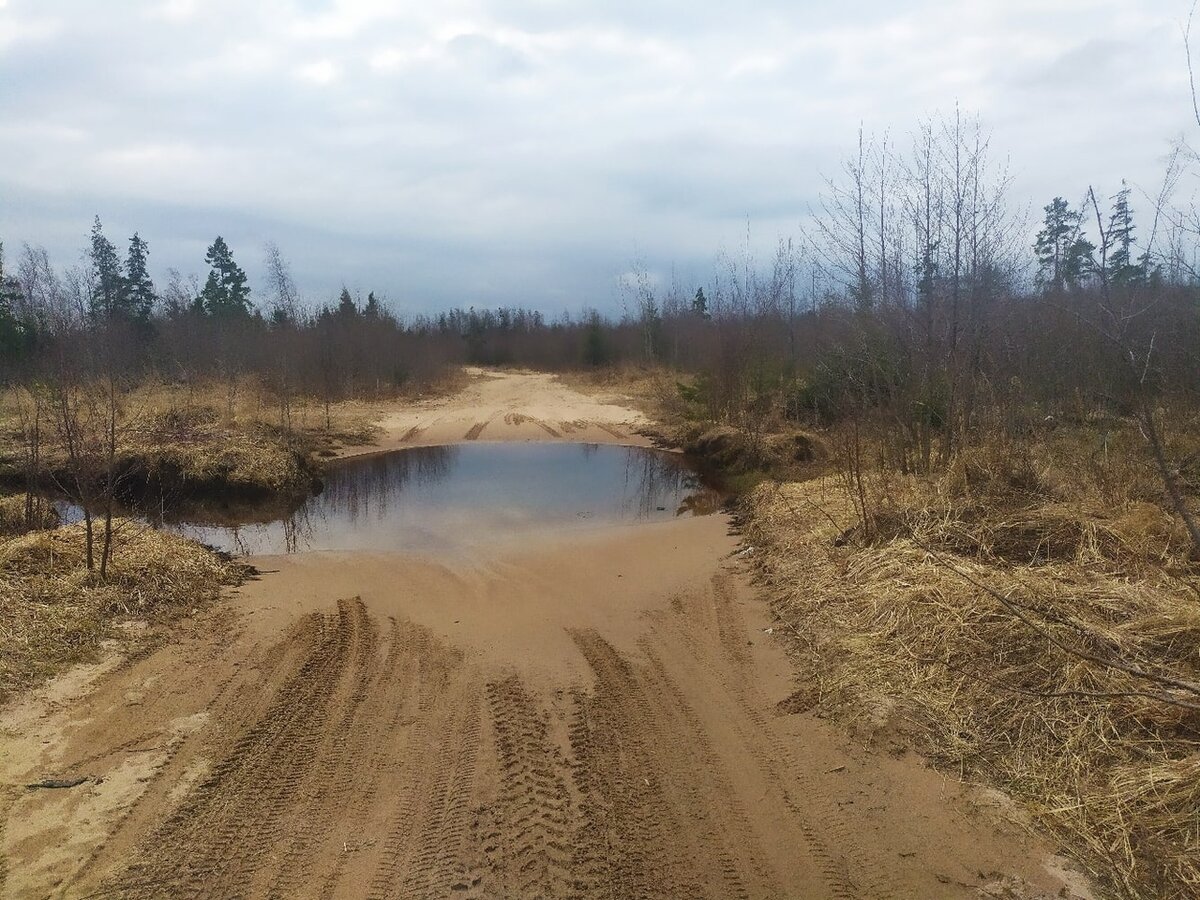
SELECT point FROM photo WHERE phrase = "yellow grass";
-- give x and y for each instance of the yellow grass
(53, 612)
(895, 639)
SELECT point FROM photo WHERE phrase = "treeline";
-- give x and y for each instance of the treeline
(918, 299)
(107, 317)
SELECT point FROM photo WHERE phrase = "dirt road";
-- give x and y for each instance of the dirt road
(608, 715)
(508, 406)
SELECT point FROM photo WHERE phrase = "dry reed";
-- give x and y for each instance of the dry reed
(54, 612)
(974, 626)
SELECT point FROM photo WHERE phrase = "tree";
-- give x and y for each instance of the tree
(12, 333)
(1064, 255)
(138, 297)
(346, 308)
(176, 298)
(371, 310)
(226, 292)
(1119, 241)
(595, 349)
(700, 304)
(108, 283)
(281, 288)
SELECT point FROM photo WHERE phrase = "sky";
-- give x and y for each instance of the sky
(535, 152)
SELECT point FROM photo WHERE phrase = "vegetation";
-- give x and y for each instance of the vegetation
(55, 612)
(1019, 621)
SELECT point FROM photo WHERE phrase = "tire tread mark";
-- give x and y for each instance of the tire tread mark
(219, 836)
(533, 821)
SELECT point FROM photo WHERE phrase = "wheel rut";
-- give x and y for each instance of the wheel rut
(363, 756)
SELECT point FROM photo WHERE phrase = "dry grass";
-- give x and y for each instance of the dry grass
(54, 613)
(652, 390)
(12, 515)
(898, 637)
(217, 435)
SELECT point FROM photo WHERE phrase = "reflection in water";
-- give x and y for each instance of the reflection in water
(448, 497)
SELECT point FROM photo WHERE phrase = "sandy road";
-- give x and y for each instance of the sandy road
(599, 716)
(508, 406)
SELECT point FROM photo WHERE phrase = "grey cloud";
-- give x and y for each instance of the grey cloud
(478, 151)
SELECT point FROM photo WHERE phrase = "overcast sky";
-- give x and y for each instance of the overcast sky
(532, 151)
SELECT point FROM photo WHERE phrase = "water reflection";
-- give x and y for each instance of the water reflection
(448, 497)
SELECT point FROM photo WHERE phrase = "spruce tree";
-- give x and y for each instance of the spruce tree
(1064, 255)
(371, 310)
(139, 294)
(108, 282)
(1119, 241)
(346, 308)
(700, 304)
(12, 333)
(226, 292)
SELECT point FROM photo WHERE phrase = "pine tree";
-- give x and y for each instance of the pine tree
(139, 294)
(226, 292)
(346, 308)
(12, 333)
(700, 304)
(1064, 255)
(108, 282)
(595, 349)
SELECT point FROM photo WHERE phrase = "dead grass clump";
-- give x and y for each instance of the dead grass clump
(1033, 503)
(231, 460)
(53, 612)
(900, 638)
(13, 518)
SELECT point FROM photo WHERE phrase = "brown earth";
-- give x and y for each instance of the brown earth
(601, 716)
(506, 406)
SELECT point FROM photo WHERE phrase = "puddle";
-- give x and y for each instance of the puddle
(447, 498)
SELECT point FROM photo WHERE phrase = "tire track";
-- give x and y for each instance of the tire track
(730, 626)
(438, 867)
(330, 785)
(392, 701)
(629, 845)
(412, 434)
(426, 851)
(532, 823)
(619, 435)
(517, 419)
(216, 841)
(733, 841)
(8, 797)
(817, 814)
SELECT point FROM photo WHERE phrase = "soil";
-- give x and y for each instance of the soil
(603, 715)
(507, 406)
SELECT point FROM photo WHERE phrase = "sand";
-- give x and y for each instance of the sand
(507, 406)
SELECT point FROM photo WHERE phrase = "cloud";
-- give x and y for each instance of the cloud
(322, 71)
(478, 151)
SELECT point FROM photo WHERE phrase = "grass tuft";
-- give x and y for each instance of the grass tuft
(54, 612)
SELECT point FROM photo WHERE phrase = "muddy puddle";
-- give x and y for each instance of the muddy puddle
(433, 499)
